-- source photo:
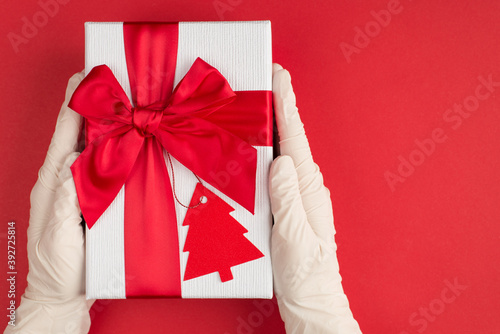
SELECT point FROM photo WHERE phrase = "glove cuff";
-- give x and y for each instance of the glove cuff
(58, 317)
(324, 315)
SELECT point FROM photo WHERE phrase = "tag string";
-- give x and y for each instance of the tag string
(173, 185)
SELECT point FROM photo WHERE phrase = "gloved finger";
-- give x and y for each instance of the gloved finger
(293, 142)
(291, 229)
(295, 248)
(62, 242)
(63, 142)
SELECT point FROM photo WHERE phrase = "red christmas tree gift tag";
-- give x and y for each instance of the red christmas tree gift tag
(215, 240)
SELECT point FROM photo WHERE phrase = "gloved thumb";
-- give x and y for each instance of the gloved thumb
(62, 244)
(65, 223)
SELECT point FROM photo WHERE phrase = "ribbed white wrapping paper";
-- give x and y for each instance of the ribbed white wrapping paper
(241, 51)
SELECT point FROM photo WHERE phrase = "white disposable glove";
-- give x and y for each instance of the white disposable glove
(305, 267)
(54, 301)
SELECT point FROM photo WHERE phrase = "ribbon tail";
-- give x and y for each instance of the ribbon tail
(217, 156)
(102, 169)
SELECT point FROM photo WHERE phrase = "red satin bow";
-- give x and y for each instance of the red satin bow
(179, 125)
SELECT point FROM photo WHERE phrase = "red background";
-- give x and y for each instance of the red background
(396, 248)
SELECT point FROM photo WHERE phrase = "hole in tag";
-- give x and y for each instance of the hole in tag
(203, 199)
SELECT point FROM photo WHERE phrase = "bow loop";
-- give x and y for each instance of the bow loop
(202, 91)
(105, 99)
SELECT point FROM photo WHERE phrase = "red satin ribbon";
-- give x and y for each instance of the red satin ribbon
(202, 123)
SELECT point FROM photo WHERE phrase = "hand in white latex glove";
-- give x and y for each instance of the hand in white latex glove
(305, 267)
(54, 301)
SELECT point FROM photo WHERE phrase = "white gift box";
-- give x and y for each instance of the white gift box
(242, 53)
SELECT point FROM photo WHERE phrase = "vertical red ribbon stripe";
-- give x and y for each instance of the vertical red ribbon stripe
(152, 262)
